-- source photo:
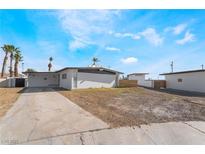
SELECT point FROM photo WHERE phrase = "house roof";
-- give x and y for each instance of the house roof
(37, 72)
(90, 68)
(138, 74)
(182, 72)
(82, 69)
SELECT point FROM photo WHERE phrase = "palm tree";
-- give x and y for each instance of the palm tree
(18, 57)
(7, 49)
(95, 60)
(12, 51)
(50, 65)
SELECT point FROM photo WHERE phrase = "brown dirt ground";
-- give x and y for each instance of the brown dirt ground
(136, 106)
(8, 96)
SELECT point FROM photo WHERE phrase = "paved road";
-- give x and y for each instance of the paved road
(42, 116)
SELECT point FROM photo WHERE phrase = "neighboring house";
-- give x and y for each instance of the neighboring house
(193, 80)
(75, 78)
(141, 81)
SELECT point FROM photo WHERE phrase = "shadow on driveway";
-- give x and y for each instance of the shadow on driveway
(41, 89)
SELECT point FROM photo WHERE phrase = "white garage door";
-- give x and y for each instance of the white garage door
(43, 80)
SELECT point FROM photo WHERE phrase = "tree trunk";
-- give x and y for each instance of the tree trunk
(49, 67)
(16, 69)
(4, 64)
(11, 67)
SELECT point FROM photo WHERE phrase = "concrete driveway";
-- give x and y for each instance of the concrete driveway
(40, 113)
(43, 116)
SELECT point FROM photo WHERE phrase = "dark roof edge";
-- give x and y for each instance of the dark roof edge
(182, 72)
(138, 74)
(110, 70)
(37, 72)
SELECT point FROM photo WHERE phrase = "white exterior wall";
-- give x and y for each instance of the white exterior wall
(146, 83)
(141, 80)
(68, 82)
(38, 80)
(11, 82)
(136, 77)
(4, 82)
(190, 81)
(93, 80)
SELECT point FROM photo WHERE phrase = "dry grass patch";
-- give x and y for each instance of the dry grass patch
(7, 98)
(136, 106)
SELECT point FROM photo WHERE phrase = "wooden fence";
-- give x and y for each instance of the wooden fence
(158, 84)
(127, 83)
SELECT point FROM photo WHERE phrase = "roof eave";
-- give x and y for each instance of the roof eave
(183, 72)
(89, 68)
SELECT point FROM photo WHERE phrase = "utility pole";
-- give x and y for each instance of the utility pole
(202, 66)
(22, 65)
(172, 66)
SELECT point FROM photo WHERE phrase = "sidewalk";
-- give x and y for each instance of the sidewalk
(164, 133)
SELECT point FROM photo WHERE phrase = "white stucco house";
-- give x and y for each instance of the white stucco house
(75, 78)
(141, 80)
(193, 80)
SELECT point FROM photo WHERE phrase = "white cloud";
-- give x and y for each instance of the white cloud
(129, 60)
(112, 49)
(123, 35)
(152, 36)
(149, 34)
(87, 24)
(177, 29)
(76, 44)
(189, 37)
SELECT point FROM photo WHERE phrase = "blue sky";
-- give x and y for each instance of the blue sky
(125, 40)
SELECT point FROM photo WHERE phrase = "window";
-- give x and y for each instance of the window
(179, 80)
(64, 76)
(45, 78)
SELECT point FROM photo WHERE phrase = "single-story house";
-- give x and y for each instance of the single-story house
(193, 80)
(137, 76)
(75, 78)
(141, 81)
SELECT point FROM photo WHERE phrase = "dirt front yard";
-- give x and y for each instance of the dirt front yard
(136, 106)
(8, 97)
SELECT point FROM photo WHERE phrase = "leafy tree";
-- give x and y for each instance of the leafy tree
(30, 70)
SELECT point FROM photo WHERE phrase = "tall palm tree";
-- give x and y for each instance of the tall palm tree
(12, 51)
(17, 57)
(50, 65)
(7, 49)
(95, 60)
